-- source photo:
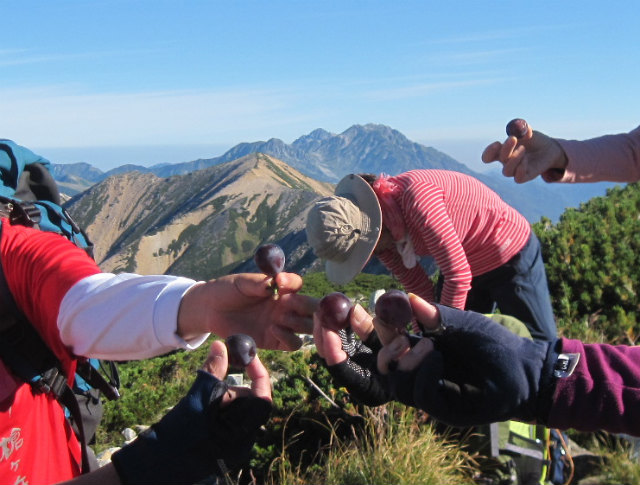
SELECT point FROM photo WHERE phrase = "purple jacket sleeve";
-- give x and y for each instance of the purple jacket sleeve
(602, 393)
(611, 158)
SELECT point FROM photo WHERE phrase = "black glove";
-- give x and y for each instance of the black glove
(355, 373)
(479, 373)
(196, 439)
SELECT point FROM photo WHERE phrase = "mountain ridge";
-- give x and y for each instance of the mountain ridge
(369, 148)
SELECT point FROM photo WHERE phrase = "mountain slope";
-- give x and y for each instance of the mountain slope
(200, 224)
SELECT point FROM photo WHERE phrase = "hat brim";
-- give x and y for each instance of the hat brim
(360, 192)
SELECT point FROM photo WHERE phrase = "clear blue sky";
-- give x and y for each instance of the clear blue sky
(137, 81)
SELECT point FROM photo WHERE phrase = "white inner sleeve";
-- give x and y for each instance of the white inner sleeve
(125, 316)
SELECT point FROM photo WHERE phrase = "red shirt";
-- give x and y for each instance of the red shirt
(37, 446)
(463, 224)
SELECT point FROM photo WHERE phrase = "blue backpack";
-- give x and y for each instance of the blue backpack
(29, 196)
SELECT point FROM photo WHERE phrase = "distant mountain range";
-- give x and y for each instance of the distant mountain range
(208, 222)
(327, 157)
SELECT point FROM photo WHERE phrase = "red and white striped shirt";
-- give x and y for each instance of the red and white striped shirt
(463, 224)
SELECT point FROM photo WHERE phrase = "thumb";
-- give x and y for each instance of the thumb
(217, 360)
(426, 313)
(361, 322)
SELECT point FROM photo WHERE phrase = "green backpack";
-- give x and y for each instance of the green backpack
(521, 453)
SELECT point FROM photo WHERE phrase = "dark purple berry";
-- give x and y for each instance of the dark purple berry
(241, 349)
(394, 309)
(518, 128)
(269, 259)
(334, 310)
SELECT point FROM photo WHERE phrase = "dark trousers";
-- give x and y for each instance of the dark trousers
(518, 288)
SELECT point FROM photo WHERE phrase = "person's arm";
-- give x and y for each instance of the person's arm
(474, 371)
(602, 393)
(612, 158)
(143, 316)
(212, 429)
(123, 317)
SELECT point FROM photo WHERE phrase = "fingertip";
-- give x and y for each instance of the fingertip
(256, 369)
(217, 361)
(260, 380)
(490, 153)
(333, 351)
(529, 134)
(288, 282)
(426, 313)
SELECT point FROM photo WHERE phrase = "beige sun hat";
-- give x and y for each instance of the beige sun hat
(343, 229)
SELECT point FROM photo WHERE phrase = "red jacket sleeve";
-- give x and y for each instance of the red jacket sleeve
(40, 267)
(603, 393)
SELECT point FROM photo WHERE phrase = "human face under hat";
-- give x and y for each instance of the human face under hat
(344, 229)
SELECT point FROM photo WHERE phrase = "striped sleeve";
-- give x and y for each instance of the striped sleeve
(428, 221)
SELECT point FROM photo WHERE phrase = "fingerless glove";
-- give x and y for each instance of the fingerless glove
(196, 439)
(479, 373)
(356, 372)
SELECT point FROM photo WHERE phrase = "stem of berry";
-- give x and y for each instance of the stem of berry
(273, 286)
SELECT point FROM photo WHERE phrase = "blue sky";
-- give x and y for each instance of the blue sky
(113, 82)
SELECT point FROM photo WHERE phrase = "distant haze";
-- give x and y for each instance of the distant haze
(106, 158)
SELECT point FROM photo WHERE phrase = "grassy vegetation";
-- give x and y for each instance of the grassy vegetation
(394, 445)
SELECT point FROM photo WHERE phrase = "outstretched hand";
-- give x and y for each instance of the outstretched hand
(329, 344)
(245, 303)
(217, 364)
(350, 356)
(397, 351)
(210, 431)
(527, 157)
(470, 371)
